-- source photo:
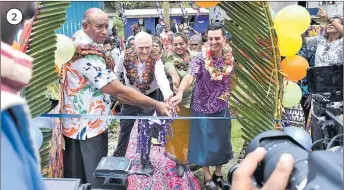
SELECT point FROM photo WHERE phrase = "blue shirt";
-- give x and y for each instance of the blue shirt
(20, 167)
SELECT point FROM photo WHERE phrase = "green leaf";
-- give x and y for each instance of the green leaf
(75, 99)
(42, 46)
(98, 93)
(257, 95)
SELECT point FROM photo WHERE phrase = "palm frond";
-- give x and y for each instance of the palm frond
(42, 45)
(259, 84)
(45, 149)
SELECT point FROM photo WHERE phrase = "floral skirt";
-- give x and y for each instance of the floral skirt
(178, 145)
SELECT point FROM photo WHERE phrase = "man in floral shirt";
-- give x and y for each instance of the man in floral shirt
(88, 85)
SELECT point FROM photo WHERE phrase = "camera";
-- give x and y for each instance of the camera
(320, 169)
(326, 86)
(312, 170)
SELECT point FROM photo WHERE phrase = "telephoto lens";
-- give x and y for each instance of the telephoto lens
(276, 143)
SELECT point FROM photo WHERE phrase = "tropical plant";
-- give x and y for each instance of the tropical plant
(259, 84)
(45, 149)
(128, 4)
(42, 45)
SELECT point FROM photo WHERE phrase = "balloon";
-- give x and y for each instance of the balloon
(295, 67)
(206, 4)
(65, 50)
(292, 95)
(37, 136)
(289, 45)
(292, 19)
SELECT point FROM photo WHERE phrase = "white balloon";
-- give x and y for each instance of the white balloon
(65, 50)
(292, 95)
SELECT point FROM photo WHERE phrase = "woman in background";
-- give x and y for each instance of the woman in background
(329, 51)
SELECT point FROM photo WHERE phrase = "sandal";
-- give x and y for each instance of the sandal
(210, 185)
(220, 182)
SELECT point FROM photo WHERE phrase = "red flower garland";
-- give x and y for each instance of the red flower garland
(130, 65)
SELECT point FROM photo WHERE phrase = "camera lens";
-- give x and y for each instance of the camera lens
(276, 143)
(275, 148)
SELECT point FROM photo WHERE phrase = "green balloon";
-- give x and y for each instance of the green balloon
(292, 95)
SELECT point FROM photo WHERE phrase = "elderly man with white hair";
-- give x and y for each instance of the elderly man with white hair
(144, 71)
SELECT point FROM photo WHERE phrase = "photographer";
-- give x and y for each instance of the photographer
(278, 180)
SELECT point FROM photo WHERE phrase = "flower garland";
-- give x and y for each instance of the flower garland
(180, 63)
(130, 61)
(83, 50)
(219, 70)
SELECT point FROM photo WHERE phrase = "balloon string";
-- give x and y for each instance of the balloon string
(270, 85)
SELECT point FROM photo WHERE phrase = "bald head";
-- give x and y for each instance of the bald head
(95, 24)
(90, 12)
(143, 37)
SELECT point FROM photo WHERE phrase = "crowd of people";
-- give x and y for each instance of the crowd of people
(164, 73)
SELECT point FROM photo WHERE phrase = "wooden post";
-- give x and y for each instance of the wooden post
(166, 9)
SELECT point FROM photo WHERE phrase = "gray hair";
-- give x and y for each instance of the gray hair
(196, 38)
(142, 35)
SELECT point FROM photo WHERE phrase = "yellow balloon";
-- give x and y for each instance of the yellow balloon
(65, 50)
(291, 95)
(292, 19)
(289, 45)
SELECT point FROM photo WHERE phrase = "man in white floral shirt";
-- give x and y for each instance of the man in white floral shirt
(89, 82)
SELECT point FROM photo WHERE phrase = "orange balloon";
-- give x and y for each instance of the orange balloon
(206, 4)
(294, 67)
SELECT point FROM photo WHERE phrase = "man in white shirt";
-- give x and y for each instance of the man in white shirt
(144, 71)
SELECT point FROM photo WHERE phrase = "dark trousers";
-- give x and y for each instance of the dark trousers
(81, 158)
(305, 109)
(126, 125)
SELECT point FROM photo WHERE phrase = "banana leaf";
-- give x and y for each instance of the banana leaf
(42, 46)
(258, 92)
(44, 151)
